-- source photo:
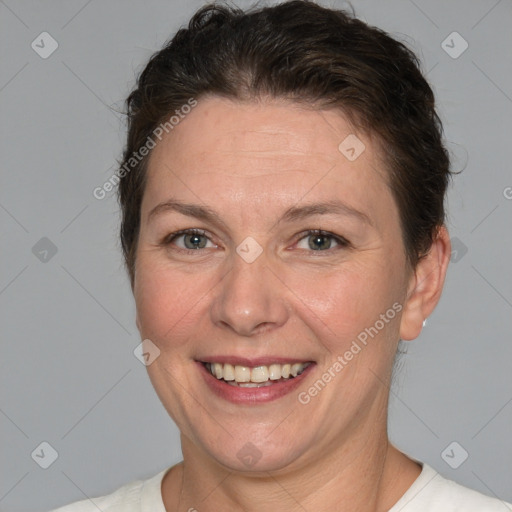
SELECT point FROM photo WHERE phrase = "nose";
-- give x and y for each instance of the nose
(251, 299)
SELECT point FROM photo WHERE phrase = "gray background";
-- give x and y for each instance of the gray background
(68, 373)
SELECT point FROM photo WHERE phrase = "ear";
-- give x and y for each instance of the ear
(425, 286)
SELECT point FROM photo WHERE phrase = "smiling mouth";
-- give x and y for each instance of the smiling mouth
(256, 376)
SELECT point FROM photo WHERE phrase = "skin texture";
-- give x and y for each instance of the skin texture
(250, 162)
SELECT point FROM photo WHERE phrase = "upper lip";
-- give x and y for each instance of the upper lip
(256, 361)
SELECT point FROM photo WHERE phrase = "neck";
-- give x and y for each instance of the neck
(364, 473)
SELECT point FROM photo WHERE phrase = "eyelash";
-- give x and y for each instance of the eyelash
(342, 242)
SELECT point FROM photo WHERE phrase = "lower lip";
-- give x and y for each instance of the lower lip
(241, 395)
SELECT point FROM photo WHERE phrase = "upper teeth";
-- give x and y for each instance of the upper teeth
(255, 374)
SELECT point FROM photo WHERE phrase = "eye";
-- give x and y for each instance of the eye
(319, 240)
(193, 239)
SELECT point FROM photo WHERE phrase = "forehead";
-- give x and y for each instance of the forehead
(267, 155)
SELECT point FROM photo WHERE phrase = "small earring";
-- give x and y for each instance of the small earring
(424, 322)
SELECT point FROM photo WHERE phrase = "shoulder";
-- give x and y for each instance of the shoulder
(138, 495)
(432, 492)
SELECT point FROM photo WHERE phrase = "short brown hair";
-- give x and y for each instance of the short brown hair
(300, 51)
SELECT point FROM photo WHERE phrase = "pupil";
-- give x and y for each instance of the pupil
(194, 240)
(318, 240)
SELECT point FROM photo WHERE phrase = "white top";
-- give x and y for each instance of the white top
(430, 492)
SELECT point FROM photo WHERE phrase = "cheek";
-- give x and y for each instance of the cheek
(341, 305)
(166, 302)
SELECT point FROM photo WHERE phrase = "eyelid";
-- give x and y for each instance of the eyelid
(189, 231)
(340, 240)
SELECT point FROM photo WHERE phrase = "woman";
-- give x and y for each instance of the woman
(282, 193)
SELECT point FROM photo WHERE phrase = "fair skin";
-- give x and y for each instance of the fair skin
(250, 162)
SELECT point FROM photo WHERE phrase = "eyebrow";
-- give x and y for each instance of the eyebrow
(294, 213)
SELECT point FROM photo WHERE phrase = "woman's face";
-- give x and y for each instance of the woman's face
(254, 289)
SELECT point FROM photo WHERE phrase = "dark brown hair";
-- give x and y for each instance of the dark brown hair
(306, 53)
